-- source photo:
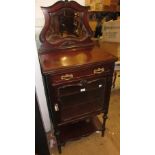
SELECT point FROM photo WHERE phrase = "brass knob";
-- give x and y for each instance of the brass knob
(67, 77)
(98, 70)
(56, 107)
(82, 90)
(100, 85)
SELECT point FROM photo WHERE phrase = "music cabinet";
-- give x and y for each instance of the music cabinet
(77, 73)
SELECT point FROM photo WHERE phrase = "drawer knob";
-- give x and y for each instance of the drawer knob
(56, 107)
(98, 70)
(67, 77)
(100, 85)
(82, 90)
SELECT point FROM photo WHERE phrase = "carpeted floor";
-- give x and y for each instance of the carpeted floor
(95, 144)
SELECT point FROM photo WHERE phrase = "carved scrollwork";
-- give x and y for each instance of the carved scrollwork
(66, 24)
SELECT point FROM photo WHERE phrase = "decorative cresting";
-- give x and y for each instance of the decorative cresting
(66, 26)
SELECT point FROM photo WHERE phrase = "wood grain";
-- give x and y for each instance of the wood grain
(73, 58)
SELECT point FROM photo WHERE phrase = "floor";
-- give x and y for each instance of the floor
(95, 144)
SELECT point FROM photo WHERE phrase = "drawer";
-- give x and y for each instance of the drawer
(78, 74)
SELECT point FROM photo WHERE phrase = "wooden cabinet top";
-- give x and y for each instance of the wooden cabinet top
(67, 59)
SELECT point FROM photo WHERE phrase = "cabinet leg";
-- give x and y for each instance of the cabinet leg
(103, 125)
(114, 80)
(59, 148)
(57, 134)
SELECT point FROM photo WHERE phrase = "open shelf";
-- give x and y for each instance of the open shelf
(79, 129)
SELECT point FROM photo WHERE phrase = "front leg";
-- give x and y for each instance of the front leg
(57, 134)
(103, 125)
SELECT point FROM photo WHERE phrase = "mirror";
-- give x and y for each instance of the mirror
(66, 23)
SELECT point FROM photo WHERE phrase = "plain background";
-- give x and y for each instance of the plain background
(17, 81)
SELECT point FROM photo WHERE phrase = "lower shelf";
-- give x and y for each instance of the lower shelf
(79, 129)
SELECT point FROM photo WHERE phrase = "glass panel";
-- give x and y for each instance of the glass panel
(66, 24)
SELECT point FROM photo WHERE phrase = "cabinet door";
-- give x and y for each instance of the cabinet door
(81, 99)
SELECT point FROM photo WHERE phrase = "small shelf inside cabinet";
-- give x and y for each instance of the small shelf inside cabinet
(76, 89)
(79, 129)
(78, 92)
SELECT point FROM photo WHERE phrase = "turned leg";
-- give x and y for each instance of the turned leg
(59, 148)
(103, 125)
(114, 80)
(57, 134)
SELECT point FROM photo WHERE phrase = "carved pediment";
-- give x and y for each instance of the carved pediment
(66, 26)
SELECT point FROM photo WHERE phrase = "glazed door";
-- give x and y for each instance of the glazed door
(81, 99)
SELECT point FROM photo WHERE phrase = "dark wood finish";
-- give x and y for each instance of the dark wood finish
(77, 83)
(41, 145)
(62, 17)
(67, 104)
(75, 58)
(80, 129)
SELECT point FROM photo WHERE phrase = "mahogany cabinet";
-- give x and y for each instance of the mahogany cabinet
(77, 73)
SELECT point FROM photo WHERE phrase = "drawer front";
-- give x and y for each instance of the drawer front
(81, 73)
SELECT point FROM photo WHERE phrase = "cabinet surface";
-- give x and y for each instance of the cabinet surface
(77, 90)
(78, 84)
